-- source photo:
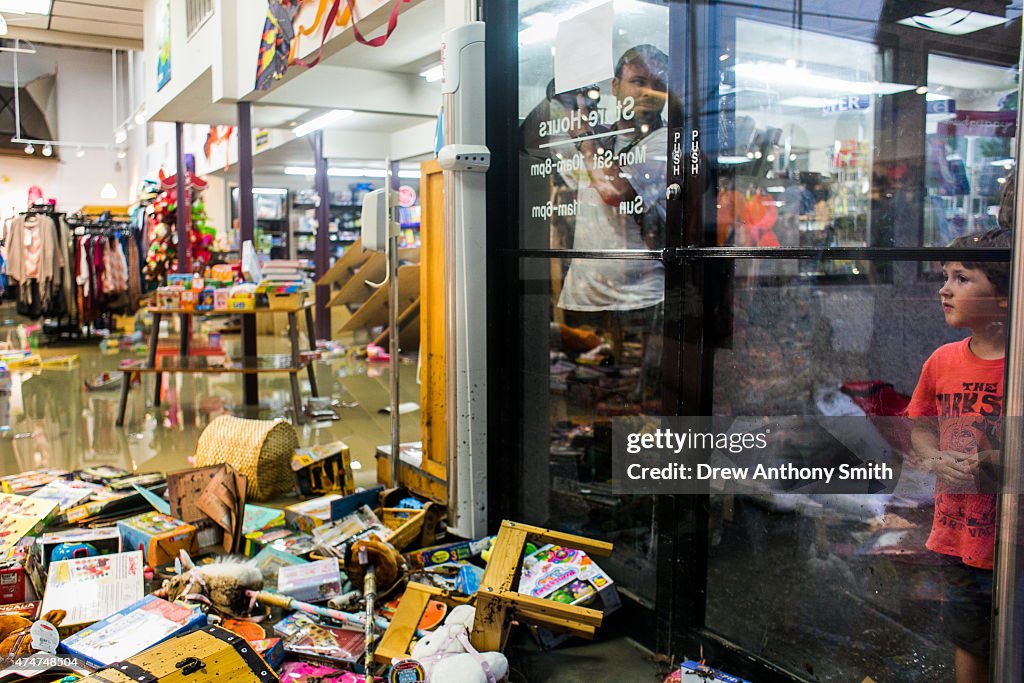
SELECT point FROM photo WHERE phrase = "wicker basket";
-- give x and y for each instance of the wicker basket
(259, 449)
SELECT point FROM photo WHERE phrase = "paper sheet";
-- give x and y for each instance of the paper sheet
(583, 49)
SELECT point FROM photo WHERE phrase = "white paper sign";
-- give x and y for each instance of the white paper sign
(44, 637)
(583, 49)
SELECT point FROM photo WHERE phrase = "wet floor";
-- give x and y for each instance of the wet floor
(57, 422)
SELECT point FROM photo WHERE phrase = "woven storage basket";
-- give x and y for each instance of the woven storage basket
(259, 449)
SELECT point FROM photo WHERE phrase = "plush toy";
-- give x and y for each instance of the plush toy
(447, 655)
(13, 627)
(389, 563)
(222, 584)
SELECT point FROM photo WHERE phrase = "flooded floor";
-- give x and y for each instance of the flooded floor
(57, 422)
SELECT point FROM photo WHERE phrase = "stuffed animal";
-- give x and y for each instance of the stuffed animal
(222, 584)
(447, 655)
(12, 627)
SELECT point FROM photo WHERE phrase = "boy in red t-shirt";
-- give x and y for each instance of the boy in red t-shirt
(957, 407)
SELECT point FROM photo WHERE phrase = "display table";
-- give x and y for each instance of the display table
(184, 363)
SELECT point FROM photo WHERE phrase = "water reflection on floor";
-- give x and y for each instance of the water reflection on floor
(57, 422)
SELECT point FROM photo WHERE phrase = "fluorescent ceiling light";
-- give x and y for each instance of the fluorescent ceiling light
(953, 21)
(730, 161)
(935, 97)
(434, 73)
(26, 6)
(321, 121)
(270, 190)
(780, 74)
(347, 172)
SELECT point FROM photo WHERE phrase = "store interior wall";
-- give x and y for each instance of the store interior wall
(84, 94)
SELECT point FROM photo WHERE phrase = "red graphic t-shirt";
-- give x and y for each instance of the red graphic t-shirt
(966, 393)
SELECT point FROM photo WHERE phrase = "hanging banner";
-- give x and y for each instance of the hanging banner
(276, 43)
(163, 42)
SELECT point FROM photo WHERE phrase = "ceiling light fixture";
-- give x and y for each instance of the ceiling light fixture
(780, 74)
(108, 192)
(280, 191)
(140, 118)
(3, 26)
(120, 136)
(348, 172)
(322, 121)
(953, 21)
(79, 152)
(47, 150)
(29, 149)
(433, 73)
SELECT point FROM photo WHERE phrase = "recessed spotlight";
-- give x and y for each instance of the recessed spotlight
(140, 118)
(47, 150)
(122, 154)
(29, 149)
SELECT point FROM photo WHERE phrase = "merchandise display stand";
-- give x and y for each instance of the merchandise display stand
(498, 602)
(184, 363)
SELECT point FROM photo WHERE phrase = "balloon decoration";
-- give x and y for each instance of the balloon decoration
(162, 256)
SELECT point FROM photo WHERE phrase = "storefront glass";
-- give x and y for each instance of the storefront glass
(827, 150)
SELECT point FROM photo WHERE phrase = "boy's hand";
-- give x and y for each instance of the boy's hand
(955, 469)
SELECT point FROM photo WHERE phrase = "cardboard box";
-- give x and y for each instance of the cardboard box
(131, 630)
(311, 582)
(259, 518)
(106, 541)
(325, 468)
(13, 583)
(220, 300)
(28, 610)
(706, 673)
(452, 552)
(20, 517)
(67, 493)
(270, 560)
(271, 649)
(158, 536)
(308, 515)
(93, 588)
(568, 576)
(285, 540)
(24, 482)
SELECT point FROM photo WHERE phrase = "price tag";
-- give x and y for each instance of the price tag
(44, 637)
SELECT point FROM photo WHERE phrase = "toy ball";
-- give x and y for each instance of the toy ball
(70, 551)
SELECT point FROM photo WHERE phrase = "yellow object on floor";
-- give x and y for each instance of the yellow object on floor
(33, 360)
(64, 362)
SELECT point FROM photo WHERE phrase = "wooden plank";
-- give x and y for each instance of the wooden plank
(491, 624)
(432, 320)
(587, 545)
(375, 310)
(342, 269)
(526, 605)
(396, 640)
(408, 323)
(355, 290)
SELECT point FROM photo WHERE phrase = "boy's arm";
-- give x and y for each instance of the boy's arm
(949, 466)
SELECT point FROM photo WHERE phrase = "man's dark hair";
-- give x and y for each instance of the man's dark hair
(997, 272)
(653, 58)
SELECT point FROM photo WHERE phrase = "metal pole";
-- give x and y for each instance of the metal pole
(113, 88)
(182, 207)
(1007, 663)
(322, 255)
(451, 331)
(17, 95)
(247, 231)
(181, 214)
(391, 185)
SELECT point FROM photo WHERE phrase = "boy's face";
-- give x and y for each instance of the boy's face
(969, 299)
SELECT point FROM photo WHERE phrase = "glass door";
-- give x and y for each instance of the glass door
(848, 146)
(589, 253)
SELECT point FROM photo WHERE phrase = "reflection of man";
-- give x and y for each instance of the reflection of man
(619, 190)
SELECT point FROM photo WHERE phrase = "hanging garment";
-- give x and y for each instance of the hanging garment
(134, 275)
(25, 231)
